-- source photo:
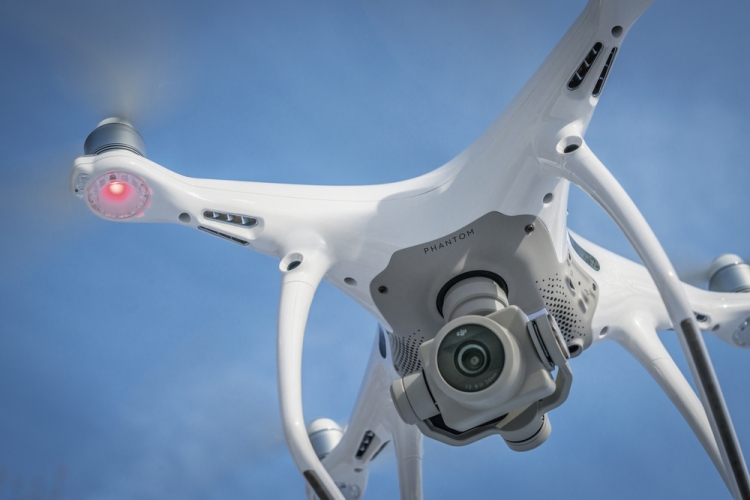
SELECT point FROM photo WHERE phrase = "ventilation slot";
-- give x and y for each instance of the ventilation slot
(605, 71)
(237, 220)
(405, 353)
(555, 294)
(365, 443)
(580, 74)
(224, 236)
(583, 254)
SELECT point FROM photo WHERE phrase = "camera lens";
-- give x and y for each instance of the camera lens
(470, 358)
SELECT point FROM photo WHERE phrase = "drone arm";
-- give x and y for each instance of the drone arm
(584, 169)
(638, 336)
(298, 285)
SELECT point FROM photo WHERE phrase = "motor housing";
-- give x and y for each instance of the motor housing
(729, 273)
(114, 133)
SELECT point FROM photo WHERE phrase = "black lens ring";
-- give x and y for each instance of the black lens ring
(464, 276)
(485, 354)
(456, 340)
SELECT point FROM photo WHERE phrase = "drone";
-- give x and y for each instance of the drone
(483, 295)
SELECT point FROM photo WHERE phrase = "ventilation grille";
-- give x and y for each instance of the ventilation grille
(405, 353)
(583, 69)
(365, 443)
(224, 236)
(558, 301)
(605, 71)
(237, 220)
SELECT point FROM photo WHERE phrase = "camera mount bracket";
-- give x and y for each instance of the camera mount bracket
(519, 249)
(553, 351)
(523, 427)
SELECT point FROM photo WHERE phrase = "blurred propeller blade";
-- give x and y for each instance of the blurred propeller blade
(119, 59)
(697, 273)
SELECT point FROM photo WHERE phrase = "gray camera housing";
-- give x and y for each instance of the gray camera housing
(529, 382)
(525, 380)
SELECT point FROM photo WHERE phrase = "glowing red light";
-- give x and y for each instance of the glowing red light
(116, 188)
(118, 195)
(117, 191)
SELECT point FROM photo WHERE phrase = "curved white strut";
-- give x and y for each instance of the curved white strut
(638, 337)
(298, 286)
(374, 411)
(584, 169)
(407, 439)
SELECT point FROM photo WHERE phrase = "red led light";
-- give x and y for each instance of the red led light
(118, 195)
(116, 188)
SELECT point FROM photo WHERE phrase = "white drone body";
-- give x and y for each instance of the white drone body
(412, 252)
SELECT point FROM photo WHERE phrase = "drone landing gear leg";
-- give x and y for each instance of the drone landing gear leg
(301, 274)
(374, 414)
(639, 338)
(585, 170)
(407, 441)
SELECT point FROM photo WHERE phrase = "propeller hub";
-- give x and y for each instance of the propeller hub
(729, 273)
(114, 133)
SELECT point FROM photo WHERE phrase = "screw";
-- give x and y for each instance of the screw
(529, 229)
(382, 289)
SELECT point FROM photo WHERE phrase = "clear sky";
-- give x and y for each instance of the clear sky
(138, 361)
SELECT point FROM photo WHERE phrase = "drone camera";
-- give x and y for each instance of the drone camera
(476, 361)
(471, 357)
(485, 373)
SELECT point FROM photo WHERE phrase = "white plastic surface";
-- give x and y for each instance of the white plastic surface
(638, 336)
(723, 261)
(324, 435)
(297, 290)
(375, 411)
(592, 176)
(631, 311)
(351, 232)
(505, 170)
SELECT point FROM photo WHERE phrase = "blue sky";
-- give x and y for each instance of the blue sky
(139, 360)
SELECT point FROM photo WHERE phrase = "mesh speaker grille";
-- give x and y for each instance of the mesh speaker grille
(405, 353)
(559, 302)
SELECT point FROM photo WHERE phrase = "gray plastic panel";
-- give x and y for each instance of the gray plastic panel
(497, 243)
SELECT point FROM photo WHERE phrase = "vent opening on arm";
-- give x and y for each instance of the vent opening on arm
(225, 236)
(583, 69)
(605, 71)
(236, 219)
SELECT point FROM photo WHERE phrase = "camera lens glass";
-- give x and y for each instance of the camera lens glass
(471, 358)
